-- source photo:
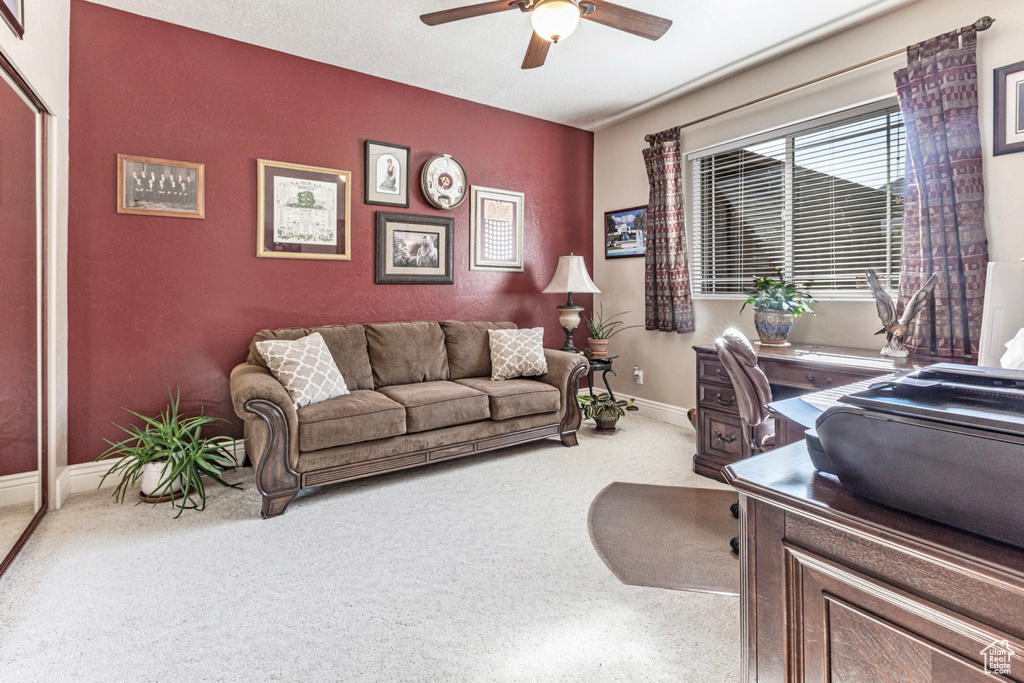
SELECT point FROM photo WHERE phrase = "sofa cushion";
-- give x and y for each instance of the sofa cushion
(346, 342)
(469, 350)
(405, 353)
(432, 405)
(516, 397)
(360, 416)
(305, 368)
(517, 353)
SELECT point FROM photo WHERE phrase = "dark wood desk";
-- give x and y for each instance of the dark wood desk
(791, 370)
(834, 587)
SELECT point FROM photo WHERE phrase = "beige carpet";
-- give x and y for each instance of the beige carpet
(667, 536)
(475, 570)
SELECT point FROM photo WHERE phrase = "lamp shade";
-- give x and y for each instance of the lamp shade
(555, 19)
(571, 276)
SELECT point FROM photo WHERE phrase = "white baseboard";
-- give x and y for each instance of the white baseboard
(19, 488)
(673, 415)
(87, 476)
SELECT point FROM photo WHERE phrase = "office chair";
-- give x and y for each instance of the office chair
(753, 394)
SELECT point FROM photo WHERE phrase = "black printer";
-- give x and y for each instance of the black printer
(945, 442)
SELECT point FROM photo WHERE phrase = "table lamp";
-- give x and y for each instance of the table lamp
(570, 276)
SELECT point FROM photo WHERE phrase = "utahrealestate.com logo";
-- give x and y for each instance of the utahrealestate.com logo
(997, 657)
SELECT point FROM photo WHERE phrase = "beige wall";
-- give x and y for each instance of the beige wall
(620, 179)
(42, 59)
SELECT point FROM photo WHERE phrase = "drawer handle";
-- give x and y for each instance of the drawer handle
(732, 399)
(724, 439)
(828, 382)
(719, 375)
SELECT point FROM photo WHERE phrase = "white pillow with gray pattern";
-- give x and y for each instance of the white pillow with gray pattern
(517, 353)
(305, 367)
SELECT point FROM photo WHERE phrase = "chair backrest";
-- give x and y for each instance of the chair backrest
(749, 382)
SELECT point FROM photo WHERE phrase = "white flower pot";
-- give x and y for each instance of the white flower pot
(152, 475)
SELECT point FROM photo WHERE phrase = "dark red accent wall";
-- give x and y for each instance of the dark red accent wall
(164, 302)
(19, 393)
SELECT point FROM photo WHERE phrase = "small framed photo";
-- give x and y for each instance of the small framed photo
(1009, 109)
(147, 186)
(14, 15)
(387, 174)
(625, 232)
(303, 211)
(496, 230)
(414, 250)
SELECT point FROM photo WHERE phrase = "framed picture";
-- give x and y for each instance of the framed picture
(496, 230)
(14, 15)
(147, 186)
(387, 174)
(303, 211)
(1009, 109)
(625, 232)
(414, 250)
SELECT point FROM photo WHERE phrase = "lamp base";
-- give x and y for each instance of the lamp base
(569, 318)
(569, 345)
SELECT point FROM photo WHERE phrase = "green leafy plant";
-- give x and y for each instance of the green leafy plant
(602, 406)
(602, 327)
(176, 440)
(778, 295)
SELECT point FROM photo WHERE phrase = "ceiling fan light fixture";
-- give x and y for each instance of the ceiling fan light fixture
(554, 20)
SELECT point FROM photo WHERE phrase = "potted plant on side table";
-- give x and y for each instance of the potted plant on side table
(167, 456)
(605, 410)
(776, 303)
(602, 329)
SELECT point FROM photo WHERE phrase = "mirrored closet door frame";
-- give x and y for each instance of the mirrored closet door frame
(42, 197)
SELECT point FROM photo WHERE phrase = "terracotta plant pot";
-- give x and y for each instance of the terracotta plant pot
(773, 326)
(598, 348)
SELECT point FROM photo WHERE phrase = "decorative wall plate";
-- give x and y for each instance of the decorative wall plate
(444, 181)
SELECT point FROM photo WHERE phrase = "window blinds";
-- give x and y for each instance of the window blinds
(823, 204)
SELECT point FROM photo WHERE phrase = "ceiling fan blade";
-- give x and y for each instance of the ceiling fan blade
(630, 20)
(536, 53)
(468, 11)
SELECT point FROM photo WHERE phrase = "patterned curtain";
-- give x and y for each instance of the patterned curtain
(943, 208)
(667, 300)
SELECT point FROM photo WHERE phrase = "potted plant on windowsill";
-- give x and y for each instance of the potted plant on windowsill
(604, 410)
(167, 456)
(602, 329)
(776, 303)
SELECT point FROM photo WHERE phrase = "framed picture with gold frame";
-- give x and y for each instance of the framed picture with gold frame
(496, 230)
(147, 186)
(303, 211)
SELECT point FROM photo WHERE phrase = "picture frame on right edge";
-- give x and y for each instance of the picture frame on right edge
(625, 232)
(1008, 131)
(496, 230)
(387, 174)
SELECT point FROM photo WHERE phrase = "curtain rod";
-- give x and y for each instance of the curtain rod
(983, 24)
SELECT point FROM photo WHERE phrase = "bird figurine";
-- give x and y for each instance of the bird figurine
(895, 328)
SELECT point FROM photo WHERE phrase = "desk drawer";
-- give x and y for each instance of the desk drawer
(718, 398)
(810, 378)
(710, 369)
(722, 434)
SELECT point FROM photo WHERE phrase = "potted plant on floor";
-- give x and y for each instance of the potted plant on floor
(602, 329)
(604, 410)
(776, 303)
(167, 456)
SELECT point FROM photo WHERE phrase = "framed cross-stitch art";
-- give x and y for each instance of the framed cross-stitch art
(496, 230)
(302, 212)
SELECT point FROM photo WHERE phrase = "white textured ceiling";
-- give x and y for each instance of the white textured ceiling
(593, 78)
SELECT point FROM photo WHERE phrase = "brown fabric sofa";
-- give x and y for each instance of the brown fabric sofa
(420, 392)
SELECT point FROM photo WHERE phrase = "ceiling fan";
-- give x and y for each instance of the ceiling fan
(554, 20)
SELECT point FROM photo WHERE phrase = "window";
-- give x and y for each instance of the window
(823, 202)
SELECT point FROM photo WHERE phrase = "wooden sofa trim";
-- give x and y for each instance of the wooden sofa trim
(278, 483)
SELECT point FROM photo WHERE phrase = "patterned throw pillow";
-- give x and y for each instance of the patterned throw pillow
(305, 367)
(517, 353)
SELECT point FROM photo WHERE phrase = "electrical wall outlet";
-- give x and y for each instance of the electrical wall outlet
(638, 375)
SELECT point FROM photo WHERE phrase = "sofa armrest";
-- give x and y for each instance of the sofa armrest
(564, 372)
(272, 431)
